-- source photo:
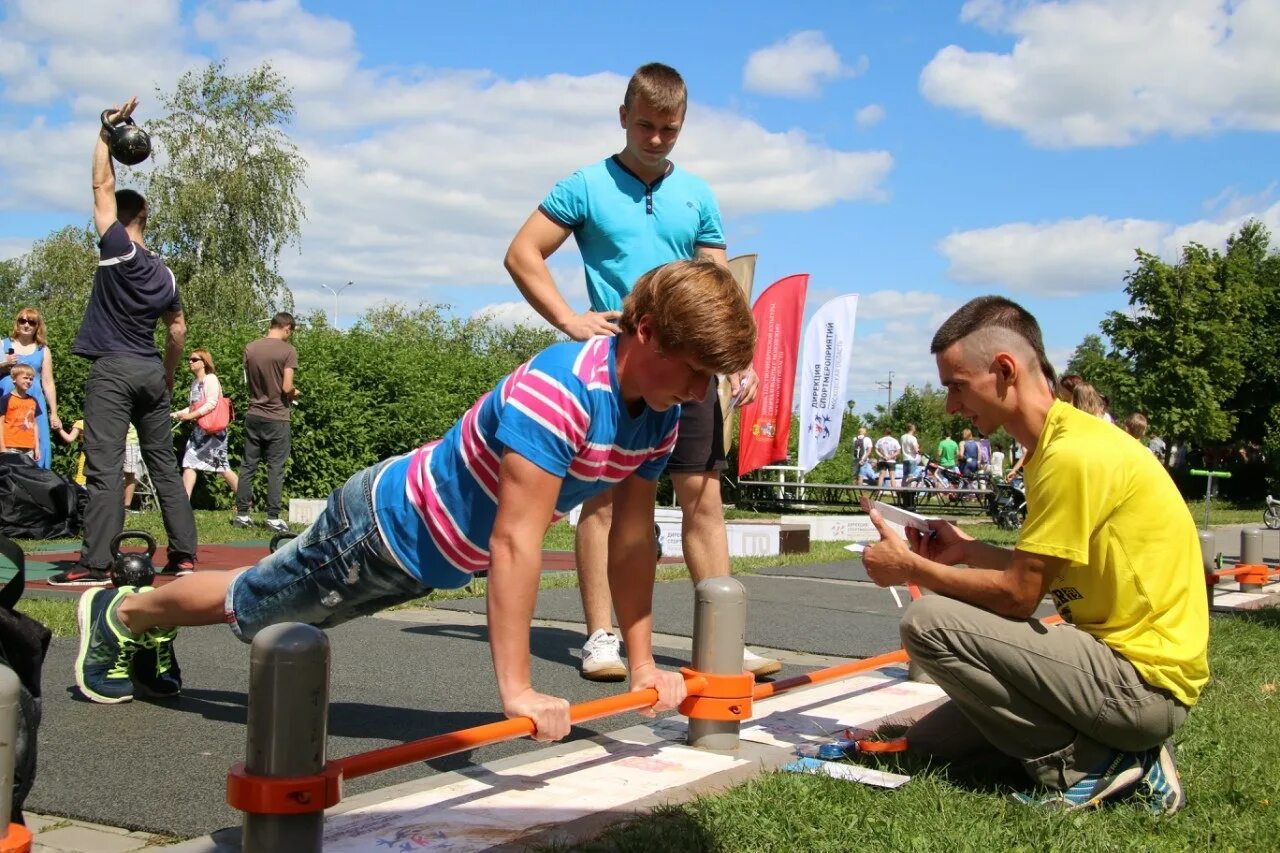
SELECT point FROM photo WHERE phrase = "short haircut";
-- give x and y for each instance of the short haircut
(1000, 319)
(205, 356)
(660, 86)
(1086, 398)
(1136, 425)
(910, 427)
(282, 320)
(698, 310)
(22, 370)
(130, 205)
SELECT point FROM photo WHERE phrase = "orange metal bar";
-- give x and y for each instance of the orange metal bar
(763, 691)
(364, 763)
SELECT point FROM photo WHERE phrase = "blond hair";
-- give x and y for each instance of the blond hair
(1087, 399)
(698, 310)
(40, 337)
(1136, 425)
(22, 370)
(660, 86)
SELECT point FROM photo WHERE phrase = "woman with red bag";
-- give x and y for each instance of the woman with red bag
(211, 411)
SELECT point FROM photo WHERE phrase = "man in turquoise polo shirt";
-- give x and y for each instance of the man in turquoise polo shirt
(629, 213)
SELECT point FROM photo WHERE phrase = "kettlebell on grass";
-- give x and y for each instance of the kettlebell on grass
(127, 142)
(133, 569)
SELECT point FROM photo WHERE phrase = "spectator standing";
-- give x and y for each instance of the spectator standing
(28, 344)
(269, 365)
(630, 213)
(887, 450)
(910, 452)
(997, 461)
(206, 451)
(128, 383)
(20, 411)
(1157, 446)
(968, 454)
(1136, 426)
(947, 450)
(862, 470)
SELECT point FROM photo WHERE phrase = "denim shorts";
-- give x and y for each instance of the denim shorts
(338, 569)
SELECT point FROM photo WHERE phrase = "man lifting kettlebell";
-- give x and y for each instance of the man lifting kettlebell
(128, 382)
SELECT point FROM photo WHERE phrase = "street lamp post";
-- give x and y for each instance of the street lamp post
(335, 299)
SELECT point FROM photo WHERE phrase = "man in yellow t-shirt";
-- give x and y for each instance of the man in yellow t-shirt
(1088, 707)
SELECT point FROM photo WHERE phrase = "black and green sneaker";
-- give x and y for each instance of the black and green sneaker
(107, 648)
(155, 667)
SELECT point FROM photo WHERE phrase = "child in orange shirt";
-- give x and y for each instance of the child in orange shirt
(20, 410)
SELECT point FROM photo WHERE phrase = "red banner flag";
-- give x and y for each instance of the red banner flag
(765, 423)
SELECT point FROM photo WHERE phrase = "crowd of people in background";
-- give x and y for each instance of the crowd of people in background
(127, 426)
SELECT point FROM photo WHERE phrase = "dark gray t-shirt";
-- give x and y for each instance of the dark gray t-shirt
(132, 289)
(264, 362)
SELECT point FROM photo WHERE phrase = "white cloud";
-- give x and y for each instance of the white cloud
(511, 314)
(14, 247)
(417, 178)
(869, 116)
(1115, 72)
(796, 67)
(70, 50)
(1073, 257)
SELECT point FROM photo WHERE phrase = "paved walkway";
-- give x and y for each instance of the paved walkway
(397, 677)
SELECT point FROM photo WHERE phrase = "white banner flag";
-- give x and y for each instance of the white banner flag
(825, 356)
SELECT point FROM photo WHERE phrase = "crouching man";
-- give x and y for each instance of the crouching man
(576, 419)
(1088, 707)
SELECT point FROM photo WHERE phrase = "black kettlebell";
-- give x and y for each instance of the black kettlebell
(279, 539)
(133, 569)
(128, 143)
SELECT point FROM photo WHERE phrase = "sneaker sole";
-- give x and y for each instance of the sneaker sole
(765, 667)
(606, 672)
(83, 609)
(142, 690)
(85, 582)
(1177, 796)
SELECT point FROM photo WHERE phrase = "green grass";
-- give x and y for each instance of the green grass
(1229, 754)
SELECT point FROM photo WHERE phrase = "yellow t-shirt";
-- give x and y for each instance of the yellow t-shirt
(1098, 498)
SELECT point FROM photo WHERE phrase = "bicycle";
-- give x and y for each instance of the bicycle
(1271, 515)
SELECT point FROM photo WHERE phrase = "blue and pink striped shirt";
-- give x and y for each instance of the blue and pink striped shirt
(563, 411)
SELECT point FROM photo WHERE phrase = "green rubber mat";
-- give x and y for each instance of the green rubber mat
(36, 570)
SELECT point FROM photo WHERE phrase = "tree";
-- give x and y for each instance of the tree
(1184, 341)
(224, 195)
(56, 276)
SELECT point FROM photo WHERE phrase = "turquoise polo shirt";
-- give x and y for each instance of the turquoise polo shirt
(625, 227)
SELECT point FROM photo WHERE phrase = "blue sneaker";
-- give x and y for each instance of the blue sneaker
(1161, 786)
(155, 667)
(1114, 776)
(107, 648)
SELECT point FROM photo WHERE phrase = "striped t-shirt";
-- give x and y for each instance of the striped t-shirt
(563, 411)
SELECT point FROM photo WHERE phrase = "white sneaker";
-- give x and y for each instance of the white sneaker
(757, 665)
(600, 658)
(277, 525)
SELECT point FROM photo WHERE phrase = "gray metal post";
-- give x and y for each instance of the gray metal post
(288, 719)
(1251, 546)
(1251, 554)
(10, 712)
(1209, 558)
(719, 625)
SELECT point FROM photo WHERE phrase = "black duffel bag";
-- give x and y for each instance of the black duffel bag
(23, 645)
(36, 503)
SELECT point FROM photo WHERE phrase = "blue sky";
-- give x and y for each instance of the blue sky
(916, 154)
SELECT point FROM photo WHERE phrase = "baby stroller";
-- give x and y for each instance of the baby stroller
(1008, 504)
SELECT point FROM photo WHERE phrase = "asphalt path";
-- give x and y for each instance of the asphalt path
(161, 766)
